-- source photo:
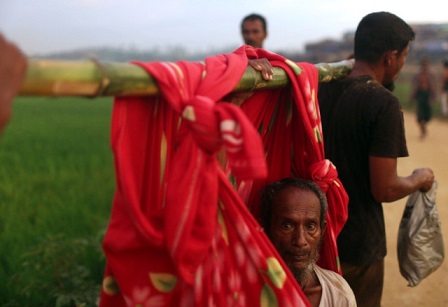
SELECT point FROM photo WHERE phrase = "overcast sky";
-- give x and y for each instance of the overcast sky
(41, 26)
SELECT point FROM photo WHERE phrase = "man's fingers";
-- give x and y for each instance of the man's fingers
(263, 66)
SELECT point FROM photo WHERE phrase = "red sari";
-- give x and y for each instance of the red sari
(179, 233)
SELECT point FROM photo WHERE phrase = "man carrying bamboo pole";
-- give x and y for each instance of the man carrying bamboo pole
(363, 128)
(12, 71)
(254, 30)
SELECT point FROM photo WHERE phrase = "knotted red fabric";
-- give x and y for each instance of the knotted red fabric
(179, 234)
(289, 123)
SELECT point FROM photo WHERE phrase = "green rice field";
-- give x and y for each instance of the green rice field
(56, 189)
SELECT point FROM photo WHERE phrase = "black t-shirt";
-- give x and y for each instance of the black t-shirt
(360, 118)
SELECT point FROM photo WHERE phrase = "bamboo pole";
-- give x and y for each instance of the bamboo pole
(91, 78)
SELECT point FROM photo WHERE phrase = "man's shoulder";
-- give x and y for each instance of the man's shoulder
(335, 288)
(354, 87)
(328, 273)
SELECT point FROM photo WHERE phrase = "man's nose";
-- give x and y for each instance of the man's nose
(300, 237)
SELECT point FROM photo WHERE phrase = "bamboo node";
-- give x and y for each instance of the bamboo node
(104, 79)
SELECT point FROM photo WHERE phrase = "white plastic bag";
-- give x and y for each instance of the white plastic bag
(420, 243)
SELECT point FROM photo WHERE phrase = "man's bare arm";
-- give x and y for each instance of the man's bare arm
(387, 186)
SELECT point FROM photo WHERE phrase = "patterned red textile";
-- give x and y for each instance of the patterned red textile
(288, 121)
(179, 234)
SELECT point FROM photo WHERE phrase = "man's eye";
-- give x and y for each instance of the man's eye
(286, 226)
(311, 226)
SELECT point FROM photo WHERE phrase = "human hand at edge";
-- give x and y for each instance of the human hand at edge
(12, 71)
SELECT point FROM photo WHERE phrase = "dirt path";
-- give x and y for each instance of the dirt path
(430, 152)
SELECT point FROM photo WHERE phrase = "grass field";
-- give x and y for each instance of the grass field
(56, 188)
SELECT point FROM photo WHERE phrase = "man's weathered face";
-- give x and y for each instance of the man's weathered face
(295, 228)
(253, 33)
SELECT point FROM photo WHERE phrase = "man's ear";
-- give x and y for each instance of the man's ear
(323, 228)
(390, 57)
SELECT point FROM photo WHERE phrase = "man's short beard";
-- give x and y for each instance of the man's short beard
(303, 276)
(390, 86)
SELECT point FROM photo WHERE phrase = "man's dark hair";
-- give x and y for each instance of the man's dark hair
(380, 32)
(253, 17)
(271, 190)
